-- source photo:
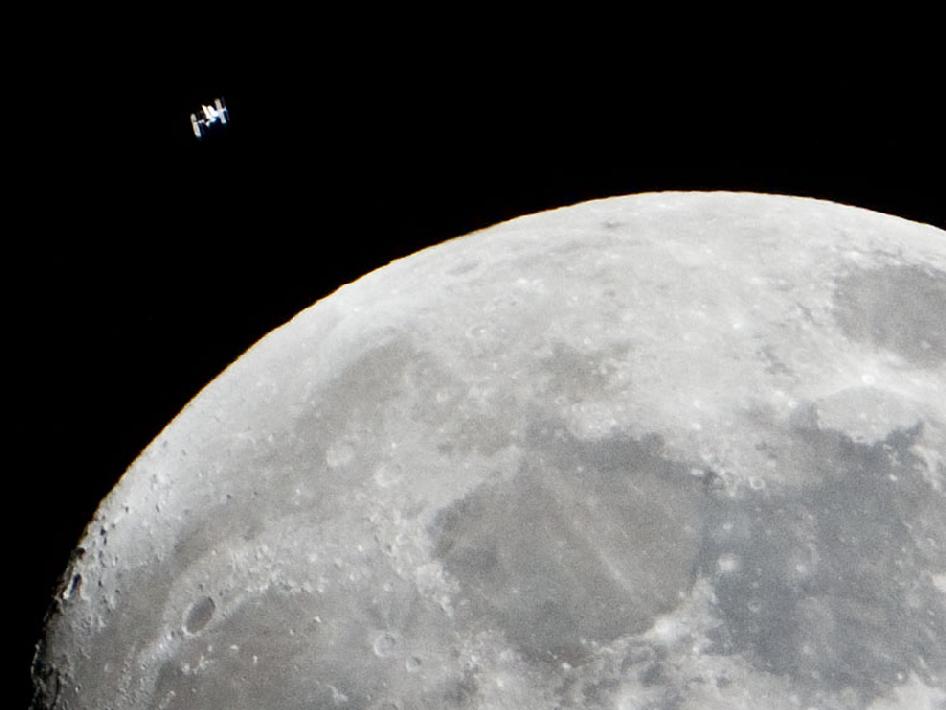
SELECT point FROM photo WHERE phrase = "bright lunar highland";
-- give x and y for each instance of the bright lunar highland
(670, 451)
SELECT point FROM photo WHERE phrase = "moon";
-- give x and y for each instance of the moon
(664, 451)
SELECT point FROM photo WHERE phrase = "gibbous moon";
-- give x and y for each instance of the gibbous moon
(671, 451)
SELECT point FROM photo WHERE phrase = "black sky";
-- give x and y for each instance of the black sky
(154, 260)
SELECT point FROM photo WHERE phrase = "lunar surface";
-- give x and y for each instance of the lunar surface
(671, 451)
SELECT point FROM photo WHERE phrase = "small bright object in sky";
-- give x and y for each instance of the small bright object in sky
(217, 113)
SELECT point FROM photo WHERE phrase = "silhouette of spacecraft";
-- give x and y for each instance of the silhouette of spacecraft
(208, 116)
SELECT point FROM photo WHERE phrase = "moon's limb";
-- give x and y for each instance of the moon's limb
(674, 450)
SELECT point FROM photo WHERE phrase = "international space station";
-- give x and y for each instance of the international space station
(209, 115)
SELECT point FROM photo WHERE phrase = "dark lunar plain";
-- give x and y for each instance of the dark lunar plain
(154, 261)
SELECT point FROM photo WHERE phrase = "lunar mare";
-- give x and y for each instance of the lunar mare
(671, 451)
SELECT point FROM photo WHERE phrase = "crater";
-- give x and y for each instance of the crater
(385, 644)
(73, 588)
(463, 268)
(199, 615)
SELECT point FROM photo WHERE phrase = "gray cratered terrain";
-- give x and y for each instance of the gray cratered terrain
(672, 451)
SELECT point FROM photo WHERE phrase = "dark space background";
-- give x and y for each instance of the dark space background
(150, 260)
